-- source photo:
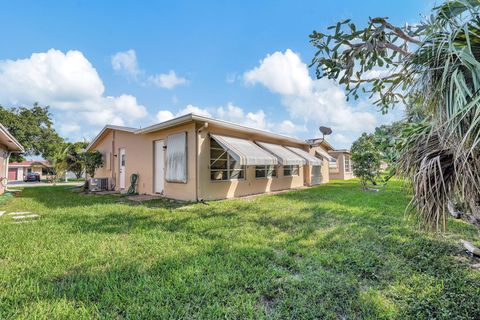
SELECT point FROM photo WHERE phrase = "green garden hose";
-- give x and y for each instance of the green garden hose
(133, 184)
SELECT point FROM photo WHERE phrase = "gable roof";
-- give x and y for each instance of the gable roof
(106, 129)
(29, 163)
(219, 123)
(320, 141)
(340, 151)
(192, 117)
(9, 140)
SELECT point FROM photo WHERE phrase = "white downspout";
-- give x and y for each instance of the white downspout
(6, 166)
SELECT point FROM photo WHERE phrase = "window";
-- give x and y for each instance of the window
(222, 165)
(265, 172)
(290, 171)
(347, 164)
(176, 170)
(332, 163)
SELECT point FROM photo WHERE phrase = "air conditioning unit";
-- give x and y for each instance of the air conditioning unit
(98, 184)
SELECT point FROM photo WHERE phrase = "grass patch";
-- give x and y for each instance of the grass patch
(328, 252)
(5, 197)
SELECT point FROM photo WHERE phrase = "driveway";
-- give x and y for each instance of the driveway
(42, 184)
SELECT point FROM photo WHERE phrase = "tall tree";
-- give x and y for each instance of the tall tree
(73, 158)
(366, 160)
(33, 128)
(92, 160)
(433, 67)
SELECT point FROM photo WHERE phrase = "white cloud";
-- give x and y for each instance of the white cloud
(282, 73)
(315, 101)
(164, 115)
(68, 128)
(126, 62)
(193, 109)
(288, 127)
(376, 73)
(167, 80)
(236, 114)
(339, 138)
(70, 85)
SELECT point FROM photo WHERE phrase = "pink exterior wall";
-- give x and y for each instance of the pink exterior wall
(324, 170)
(339, 172)
(211, 190)
(139, 157)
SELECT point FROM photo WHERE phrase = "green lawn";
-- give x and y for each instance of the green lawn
(328, 252)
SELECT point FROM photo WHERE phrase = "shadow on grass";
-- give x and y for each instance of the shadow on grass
(376, 278)
(325, 252)
(64, 197)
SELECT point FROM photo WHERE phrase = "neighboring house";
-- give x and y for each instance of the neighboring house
(18, 170)
(339, 161)
(8, 145)
(194, 158)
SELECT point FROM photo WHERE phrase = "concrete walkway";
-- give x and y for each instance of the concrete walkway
(21, 217)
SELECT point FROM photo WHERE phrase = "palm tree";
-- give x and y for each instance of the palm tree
(434, 68)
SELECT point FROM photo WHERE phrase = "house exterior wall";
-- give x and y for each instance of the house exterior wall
(139, 150)
(23, 170)
(176, 190)
(324, 170)
(339, 172)
(139, 158)
(3, 165)
(212, 190)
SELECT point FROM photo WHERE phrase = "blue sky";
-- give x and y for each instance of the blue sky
(136, 63)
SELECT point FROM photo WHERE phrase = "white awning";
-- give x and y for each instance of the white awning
(323, 154)
(285, 156)
(245, 151)
(311, 160)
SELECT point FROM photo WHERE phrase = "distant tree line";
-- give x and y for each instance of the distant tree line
(33, 128)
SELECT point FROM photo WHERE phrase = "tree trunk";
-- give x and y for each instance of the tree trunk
(474, 215)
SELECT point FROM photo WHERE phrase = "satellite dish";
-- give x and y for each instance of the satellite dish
(325, 131)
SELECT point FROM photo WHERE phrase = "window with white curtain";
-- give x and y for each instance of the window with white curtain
(176, 166)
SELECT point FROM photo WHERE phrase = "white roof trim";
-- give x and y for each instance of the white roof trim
(284, 155)
(108, 127)
(311, 160)
(323, 154)
(11, 140)
(340, 151)
(194, 117)
(245, 151)
(221, 123)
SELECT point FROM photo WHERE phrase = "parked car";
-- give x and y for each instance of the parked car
(32, 176)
